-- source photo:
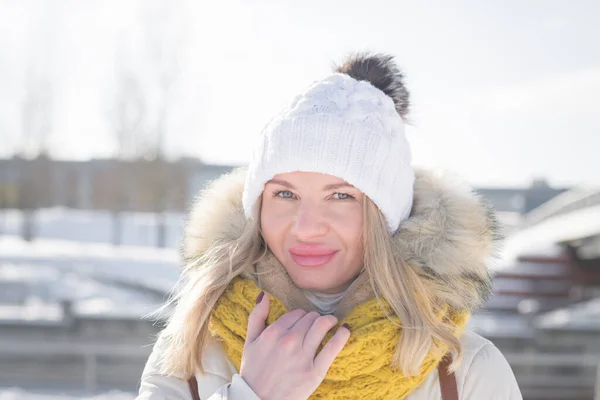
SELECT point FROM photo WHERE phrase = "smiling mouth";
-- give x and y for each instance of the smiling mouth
(311, 257)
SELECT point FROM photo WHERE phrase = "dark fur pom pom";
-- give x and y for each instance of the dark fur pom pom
(381, 71)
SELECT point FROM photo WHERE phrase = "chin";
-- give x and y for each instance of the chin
(313, 283)
(313, 287)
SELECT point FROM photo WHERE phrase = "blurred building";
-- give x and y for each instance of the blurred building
(93, 184)
(521, 200)
(545, 310)
(104, 184)
(512, 204)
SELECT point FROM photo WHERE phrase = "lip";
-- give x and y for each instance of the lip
(311, 255)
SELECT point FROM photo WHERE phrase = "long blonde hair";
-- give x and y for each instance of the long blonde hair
(203, 281)
(400, 285)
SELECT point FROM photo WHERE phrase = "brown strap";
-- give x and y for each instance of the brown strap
(447, 380)
(193, 384)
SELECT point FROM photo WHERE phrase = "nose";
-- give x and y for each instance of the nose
(309, 223)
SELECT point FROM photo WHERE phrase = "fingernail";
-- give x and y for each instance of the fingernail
(346, 326)
(260, 297)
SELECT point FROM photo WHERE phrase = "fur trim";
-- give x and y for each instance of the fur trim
(448, 239)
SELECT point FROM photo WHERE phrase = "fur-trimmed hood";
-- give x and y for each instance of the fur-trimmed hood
(448, 239)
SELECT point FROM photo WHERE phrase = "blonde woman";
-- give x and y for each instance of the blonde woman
(331, 268)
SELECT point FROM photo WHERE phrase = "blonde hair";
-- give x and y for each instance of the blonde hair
(204, 280)
(400, 285)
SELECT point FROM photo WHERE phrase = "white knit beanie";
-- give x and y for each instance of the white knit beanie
(348, 125)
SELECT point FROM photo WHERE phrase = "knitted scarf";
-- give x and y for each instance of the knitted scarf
(362, 370)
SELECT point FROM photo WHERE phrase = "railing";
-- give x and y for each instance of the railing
(564, 203)
(93, 367)
(556, 376)
(87, 367)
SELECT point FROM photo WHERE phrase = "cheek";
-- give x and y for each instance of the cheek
(273, 223)
(349, 226)
(352, 234)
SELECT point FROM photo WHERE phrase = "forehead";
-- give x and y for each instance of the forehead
(313, 178)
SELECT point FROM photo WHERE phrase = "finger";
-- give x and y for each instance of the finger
(330, 351)
(258, 318)
(316, 333)
(289, 319)
(303, 325)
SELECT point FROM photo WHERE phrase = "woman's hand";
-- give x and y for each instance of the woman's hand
(279, 361)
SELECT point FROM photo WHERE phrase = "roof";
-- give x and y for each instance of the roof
(546, 236)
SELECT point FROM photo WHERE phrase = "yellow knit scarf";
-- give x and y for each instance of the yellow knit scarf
(361, 370)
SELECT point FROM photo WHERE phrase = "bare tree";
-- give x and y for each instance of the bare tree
(126, 116)
(164, 33)
(36, 117)
(36, 109)
(140, 112)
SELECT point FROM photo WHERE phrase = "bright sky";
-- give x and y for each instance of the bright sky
(502, 92)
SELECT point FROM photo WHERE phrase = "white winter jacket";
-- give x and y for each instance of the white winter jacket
(483, 374)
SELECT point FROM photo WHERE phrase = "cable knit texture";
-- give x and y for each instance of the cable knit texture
(342, 127)
(362, 369)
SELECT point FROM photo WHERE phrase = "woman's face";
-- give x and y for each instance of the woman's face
(313, 224)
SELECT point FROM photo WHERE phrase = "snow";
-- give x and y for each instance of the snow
(15, 246)
(19, 394)
(71, 267)
(80, 241)
(97, 280)
(155, 269)
(38, 292)
(96, 276)
(39, 312)
(137, 229)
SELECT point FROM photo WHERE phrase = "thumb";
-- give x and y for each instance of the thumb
(258, 318)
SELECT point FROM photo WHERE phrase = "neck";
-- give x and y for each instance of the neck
(273, 278)
(325, 303)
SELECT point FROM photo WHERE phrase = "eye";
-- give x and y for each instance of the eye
(284, 194)
(342, 196)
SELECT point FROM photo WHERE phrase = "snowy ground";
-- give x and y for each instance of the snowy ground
(154, 269)
(137, 229)
(35, 292)
(72, 258)
(80, 241)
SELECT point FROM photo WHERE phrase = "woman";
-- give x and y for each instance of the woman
(331, 268)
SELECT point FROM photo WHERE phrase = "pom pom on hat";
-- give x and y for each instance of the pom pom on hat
(381, 71)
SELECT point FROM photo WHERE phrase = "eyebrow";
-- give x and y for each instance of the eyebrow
(326, 187)
(337, 186)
